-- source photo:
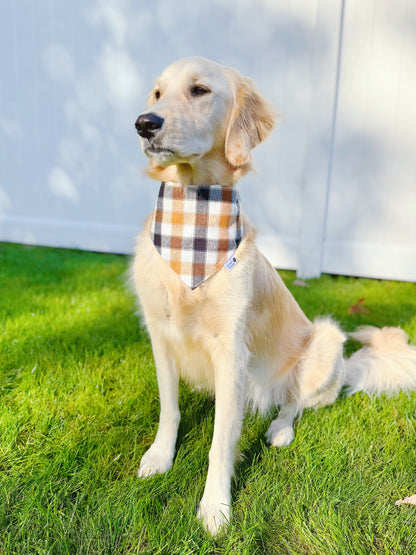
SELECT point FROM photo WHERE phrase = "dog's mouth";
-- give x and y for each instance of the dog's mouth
(155, 149)
(161, 155)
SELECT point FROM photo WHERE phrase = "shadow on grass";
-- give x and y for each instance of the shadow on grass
(40, 264)
(34, 279)
(79, 339)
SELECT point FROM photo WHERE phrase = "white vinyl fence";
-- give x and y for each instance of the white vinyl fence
(335, 186)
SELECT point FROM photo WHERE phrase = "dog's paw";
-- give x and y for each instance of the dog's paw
(154, 461)
(214, 515)
(280, 436)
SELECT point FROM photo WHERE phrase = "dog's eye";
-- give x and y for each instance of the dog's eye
(157, 95)
(197, 90)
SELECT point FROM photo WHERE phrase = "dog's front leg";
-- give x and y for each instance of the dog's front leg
(159, 457)
(230, 376)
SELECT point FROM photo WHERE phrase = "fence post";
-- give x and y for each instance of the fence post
(325, 67)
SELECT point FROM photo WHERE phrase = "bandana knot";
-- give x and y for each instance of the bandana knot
(196, 229)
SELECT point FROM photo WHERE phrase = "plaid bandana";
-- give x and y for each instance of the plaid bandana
(196, 230)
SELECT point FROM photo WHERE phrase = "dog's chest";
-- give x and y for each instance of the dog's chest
(181, 320)
(191, 336)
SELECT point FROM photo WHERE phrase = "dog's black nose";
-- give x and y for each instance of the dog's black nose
(148, 124)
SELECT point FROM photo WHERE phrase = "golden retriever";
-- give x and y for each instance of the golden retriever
(240, 334)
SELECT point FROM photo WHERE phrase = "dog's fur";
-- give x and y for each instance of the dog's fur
(240, 334)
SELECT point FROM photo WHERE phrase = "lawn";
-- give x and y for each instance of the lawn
(79, 407)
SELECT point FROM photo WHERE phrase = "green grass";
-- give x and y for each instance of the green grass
(79, 407)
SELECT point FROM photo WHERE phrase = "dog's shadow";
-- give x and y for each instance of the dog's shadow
(197, 409)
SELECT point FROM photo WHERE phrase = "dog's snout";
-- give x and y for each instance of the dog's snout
(148, 124)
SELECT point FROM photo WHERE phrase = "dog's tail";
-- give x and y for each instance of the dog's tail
(386, 363)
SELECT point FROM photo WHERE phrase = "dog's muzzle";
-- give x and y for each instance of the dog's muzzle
(148, 124)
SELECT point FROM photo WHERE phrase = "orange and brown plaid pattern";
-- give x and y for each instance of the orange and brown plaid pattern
(196, 229)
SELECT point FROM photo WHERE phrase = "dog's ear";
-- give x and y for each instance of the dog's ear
(251, 121)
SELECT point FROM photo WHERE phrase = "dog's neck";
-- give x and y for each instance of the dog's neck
(211, 169)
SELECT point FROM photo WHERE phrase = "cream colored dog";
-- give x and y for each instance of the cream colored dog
(240, 334)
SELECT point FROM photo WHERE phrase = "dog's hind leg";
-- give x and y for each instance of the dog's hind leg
(159, 457)
(280, 432)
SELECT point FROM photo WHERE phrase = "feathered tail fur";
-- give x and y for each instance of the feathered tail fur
(386, 363)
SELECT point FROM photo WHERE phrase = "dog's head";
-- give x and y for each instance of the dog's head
(203, 115)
